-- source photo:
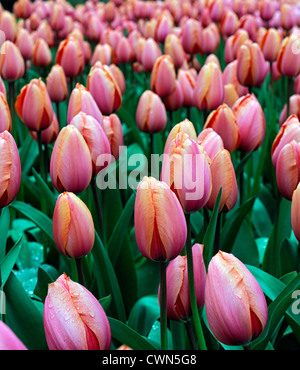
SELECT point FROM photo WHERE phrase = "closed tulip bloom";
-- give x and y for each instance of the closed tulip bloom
(223, 176)
(160, 226)
(151, 52)
(163, 26)
(8, 339)
(289, 130)
(11, 62)
(209, 88)
(216, 10)
(74, 318)
(210, 39)
(288, 16)
(114, 132)
(124, 52)
(104, 89)
(10, 169)
(266, 9)
(270, 44)
(186, 170)
(210, 141)
(57, 84)
(118, 76)
(191, 36)
(252, 67)
(251, 122)
(70, 56)
(230, 77)
(8, 25)
(22, 8)
(151, 115)
(33, 105)
(103, 54)
(187, 82)
(163, 76)
(71, 163)
(288, 59)
(24, 42)
(81, 100)
(223, 121)
(73, 226)
(295, 212)
(5, 116)
(294, 105)
(235, 305)
(178, 298)
(41, 54)
(94, 136)
(233, 43)
(48, 135)
(175, 100)
(229, 23)
(57, 17)
(185, 126)
(174, 48)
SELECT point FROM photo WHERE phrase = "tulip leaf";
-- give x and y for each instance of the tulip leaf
(9, 261)
(125, 335)
(28, 153)
(4, 227)
(105, 302)
(45, 192)
(47, 274)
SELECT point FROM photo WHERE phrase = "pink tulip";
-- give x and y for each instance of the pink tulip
(233, 43)
(175, 100)
(294, 106)
(74, 318)
(191, 36)
(163, 76)
(24, 42)
(114, 132)
(5, 116)
(235, 305)
(185, 126)
(103, 54)
(295, 212)
(187, 80)
(266, 9)
(150, 53)
(57, 86)
(210, 141)
(8, 25)
(229, 23)
(8, 339)
(270, 43)
(48, 135)
(41, 54)
(11, 62)
(160, 226)
(70, 56)
(174, 48)
(288, 59)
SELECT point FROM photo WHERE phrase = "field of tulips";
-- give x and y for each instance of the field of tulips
(149, 175)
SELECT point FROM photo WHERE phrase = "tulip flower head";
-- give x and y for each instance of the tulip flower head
(12, 64)
(163, 76)
(8, 339)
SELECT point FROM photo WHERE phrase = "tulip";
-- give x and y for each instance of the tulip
(81, 100)
(251, 122)
(22, 8)
(74, 318)
(229, 23)
(295, 212)
(70, 56)
(163, 26)
(160, 226)
(8, 339)
(288, 16)
(57, 17)
(24, 42)
(11, 62)
(223, 121)
(175, 100)
(10, 169)
(290, 130)
(163, 76)
(288, 59)
(210, 141)
(252, 67)
(270, 44)
(185, 169)
(209, 88)
(230, 77)
(216, 10)
(223, 176)
(33, 105)
(57, 86)
(5, 116)
(8, 25)
(124, 52)
(48, 135)
(71, 163)
(210, 39)
(233, 43)
(114, 132)
(294, 108)
(151, 113)
(104, 89)
(103, 54)
(95, 137)
(178, 299)
(73, 226)
(249, 23)
(230, 94)
(118, 76)
(151, 52)
(191, 36)
(41, 54)
(187, 82)
(185, 126)
(235, 305)
(174, 48)
(266, 9)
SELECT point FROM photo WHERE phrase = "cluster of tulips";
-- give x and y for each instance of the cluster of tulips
(198, 80)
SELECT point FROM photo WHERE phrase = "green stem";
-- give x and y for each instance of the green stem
(81, 278)
(58, 115)
(163, 305)
(98, 209)
(217, 235)
(41, 155)
(11, 102)
(242, 154)
(195, 311)
(288, 95)
(189, 330)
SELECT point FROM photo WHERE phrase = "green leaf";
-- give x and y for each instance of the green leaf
(105, 302)
(45, 192)
(4, 227)
(9, 261)
(46, 275)
(125, 335)
(28, 153)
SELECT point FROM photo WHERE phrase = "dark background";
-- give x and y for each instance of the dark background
(7, 4)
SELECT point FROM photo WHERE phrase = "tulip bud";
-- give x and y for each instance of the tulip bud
(118, 76)
(71, 163)
(48, 135)
(151, 113)
(11, 62)
(185, 169)
(266, 9)
(253, 128)
(74, 318)
(210, 141)
(288, 16)
(223, 176)
(187, 82)
(70, 56)
(174, 48)
(114, 132)
(229, 23)
(124, 52)
(24, 42)
(230, 77)
(160, 226)
(57, 17)
(73, 226)
(270, 44)
(8, 25)
(178, 298)
(10, 169)
(94, 136)
(224, 122)
(175, 100)
(243, 314)
(104, 89)
(8, 339)
(57, 84)
(81, 100)
(151, 52)
(5, 116)
(210, 39)
(163, 76)
(294, 106)
(295, 212)
(233, 43)
(41, 54)
(34, 106)
(191, 36)
(186, 127)
(103, 54)
(288, 59)
(209, 88)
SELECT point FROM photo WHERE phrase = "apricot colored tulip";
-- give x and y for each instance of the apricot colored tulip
(73, 318)
(33, 105)
(150, 53)
(186, 170)
(191, 36)
(233, 43)
(270, 43)
(266, 9)
(236, 307)
(288, 59)
(41, 54)
(295, 212)
(12, 65)
(209, 88)
(8, 339)
(178, 298)
(24, 42)
(294, 106)
(160, 226)
(185, 126)
(71, 163)
(104, 88)
(187, 80)
(210, 141)
(151, 113)
(114, 132)
(48, 135)
(57, 84)
(174, 48)
(5, 116)
(223, 121)
(70, 56)
(102, 53)
(175, 100)
(163, 76)
(10, 169)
